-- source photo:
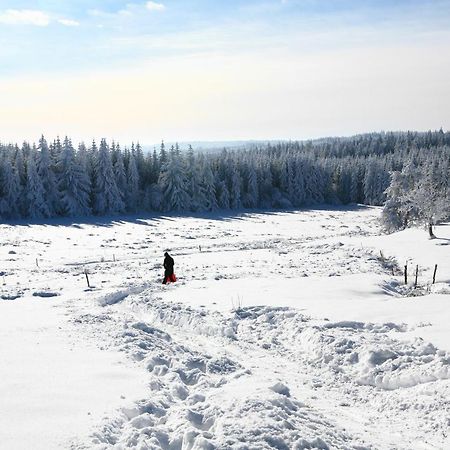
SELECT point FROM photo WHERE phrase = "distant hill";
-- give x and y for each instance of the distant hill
(211, 146)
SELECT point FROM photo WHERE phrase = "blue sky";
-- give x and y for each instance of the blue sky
(77, 35)
(58, 43)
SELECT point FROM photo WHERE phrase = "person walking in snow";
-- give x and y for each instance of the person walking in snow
(169, 276)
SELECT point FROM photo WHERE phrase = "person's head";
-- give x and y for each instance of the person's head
(166, 254)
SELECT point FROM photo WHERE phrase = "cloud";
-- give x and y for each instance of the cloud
(154, 6)
(69, 22)
(24, 17)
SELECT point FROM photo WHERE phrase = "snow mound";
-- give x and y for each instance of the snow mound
(440, 288)
(403, 366)
(281, 388)
(365, 352)
(273, 420)
(10, 296)
(205, 323)
(118, 296)
(45, 294)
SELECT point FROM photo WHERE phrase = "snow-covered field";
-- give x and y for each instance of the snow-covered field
(288, 330)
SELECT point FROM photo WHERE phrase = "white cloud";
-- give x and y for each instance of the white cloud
(153, 6)
(69, 22)
(24, 17)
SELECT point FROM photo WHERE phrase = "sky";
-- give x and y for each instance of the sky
(222, 70)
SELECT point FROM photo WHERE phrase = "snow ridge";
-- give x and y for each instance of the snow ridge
(190, 408)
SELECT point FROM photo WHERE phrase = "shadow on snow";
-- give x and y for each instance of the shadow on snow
(146, 218)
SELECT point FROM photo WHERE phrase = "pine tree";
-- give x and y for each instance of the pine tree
(37, 206)
(45, 169)
(133, 191)
(235, 191)
(224, 195)
(173, 184)
(9, 206)
(252, 194)
(120, 174)
(107, 199)
(208, 188)
(197, 199)
(162, 154)
(74, 184)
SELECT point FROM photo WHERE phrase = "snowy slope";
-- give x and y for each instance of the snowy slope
(285, 330)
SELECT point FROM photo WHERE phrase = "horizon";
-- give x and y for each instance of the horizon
(245, 70)
(209, 144)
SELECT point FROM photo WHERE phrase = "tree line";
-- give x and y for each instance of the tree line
(408, 172)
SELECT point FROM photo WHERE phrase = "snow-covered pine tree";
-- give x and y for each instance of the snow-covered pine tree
(120, 173)
(37, 206)
(430, 196)
(133, 199)
(20, 166)
(208, 187)
(314, 182)
(252, 195)
(107, 199)
(291, 180)
(265, 183)
(84, 160)
(156, 167)
(355, 189)
(193, 175)
(173, 184)
(370, 183)
(74, 183)
(140, 166)
(299, 183)
(235, 188)
(162, 154)
(45, 169)
(393, 214)
(9, 205)
(223, 194)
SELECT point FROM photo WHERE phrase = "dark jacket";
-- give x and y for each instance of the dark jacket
(168, 265)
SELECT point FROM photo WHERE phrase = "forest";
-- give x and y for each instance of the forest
(407, 172)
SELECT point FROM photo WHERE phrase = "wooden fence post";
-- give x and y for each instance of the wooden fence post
(406, 273)
(87, 277)
(434, 273)
(417, 273)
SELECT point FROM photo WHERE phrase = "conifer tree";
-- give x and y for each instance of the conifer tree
(37, 207)
(46, 173)
(74, 183)
(133, 191)
(107, 199)
(9, 206)
(173, 185)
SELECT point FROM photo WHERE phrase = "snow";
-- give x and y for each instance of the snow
(285, 330)
(53, 384)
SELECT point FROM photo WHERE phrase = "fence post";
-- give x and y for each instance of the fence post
(434, 273)
(87, 277)
(406, 273)
(417, 273)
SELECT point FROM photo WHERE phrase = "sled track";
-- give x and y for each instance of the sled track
(198, 396)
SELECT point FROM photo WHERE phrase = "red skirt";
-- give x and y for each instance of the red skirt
(170, 279)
